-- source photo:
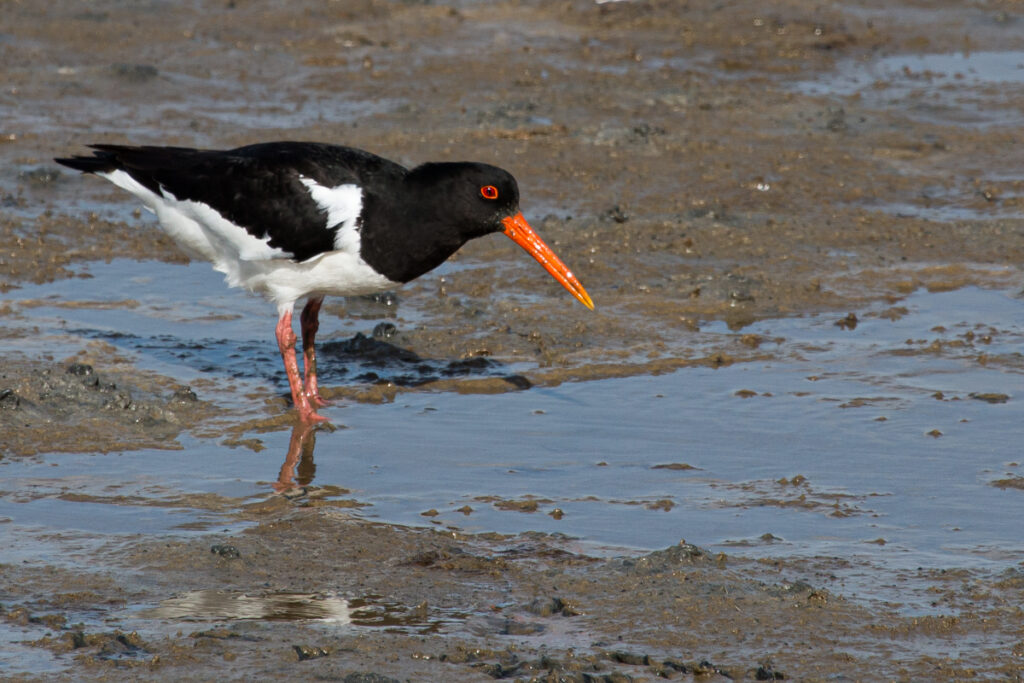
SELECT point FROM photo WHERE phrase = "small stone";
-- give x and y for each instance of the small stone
(228, 552)
(309, 652)
(360, 677)
(385, 331)
(9, 400)
(80, 370)
(766, 673)
(385, 298)
(990, 397)
(546, 607)
(135, 73)
(848, 323)
(630, 658)
(617, 214)
(39, 176)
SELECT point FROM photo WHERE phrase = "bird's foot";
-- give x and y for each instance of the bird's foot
(318, 400)
(310, 416)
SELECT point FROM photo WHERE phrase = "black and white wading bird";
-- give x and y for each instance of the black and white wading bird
(301, 220)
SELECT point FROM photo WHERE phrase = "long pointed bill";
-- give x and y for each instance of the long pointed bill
(520, 232)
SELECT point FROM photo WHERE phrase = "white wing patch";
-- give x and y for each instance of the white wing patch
(343, 204)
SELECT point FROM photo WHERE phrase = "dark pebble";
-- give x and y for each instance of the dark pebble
(617, 214)
(229, 552)
(361, 677)
(384, 331)
(848, 323)
(120, 644)
(630, 658)
(9, 400)
(547, 607)
(136, 73)
(80, 369)
(518, 381)
(121, 401)
(184, 395)
(307, 652)
(463, 366)
(39, 176)
(676, 665)
(644, 131)
(835, 119)
(706, 668)
(385, 298)
(766, 673)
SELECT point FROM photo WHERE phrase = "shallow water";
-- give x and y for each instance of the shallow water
(961, 88)
(862, 442)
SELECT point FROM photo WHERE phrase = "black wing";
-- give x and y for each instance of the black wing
(256, 187)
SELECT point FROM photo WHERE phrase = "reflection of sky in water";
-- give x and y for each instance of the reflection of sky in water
(330, 610)
(216, 604)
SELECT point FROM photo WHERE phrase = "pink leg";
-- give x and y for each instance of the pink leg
(310, 325)
(286, 342)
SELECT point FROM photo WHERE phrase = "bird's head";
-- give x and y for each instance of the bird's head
(479, 199)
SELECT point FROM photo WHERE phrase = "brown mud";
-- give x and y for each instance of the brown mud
(435, 606)
(664, 150)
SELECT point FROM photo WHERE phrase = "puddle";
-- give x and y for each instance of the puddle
(217, 605)
(822, 448)
(371, 611)
(848, 419)
(963, 89)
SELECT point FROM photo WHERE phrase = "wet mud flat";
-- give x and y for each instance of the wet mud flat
(702, 168)
(311, 592)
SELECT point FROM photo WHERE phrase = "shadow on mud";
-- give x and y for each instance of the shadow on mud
(372, 360)
(360, 359)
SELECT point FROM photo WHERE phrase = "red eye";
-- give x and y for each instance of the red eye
(489, 192)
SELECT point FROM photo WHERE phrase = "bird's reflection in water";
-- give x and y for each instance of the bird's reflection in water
(298, 469)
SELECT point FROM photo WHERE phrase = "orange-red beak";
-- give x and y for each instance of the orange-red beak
(520, 232)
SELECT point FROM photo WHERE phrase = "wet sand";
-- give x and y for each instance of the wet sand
(691, 163)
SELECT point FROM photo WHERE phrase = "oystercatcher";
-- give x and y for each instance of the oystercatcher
(301, 220)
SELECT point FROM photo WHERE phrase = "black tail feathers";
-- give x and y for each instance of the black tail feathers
(101, 161)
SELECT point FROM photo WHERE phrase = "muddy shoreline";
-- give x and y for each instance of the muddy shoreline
(694, 163)
(430, 605)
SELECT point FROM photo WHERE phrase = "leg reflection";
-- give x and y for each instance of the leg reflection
(298, 469)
